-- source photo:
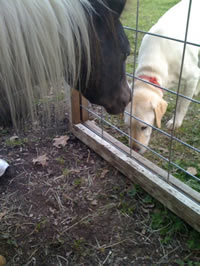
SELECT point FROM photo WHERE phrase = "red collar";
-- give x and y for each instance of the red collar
(150, 79)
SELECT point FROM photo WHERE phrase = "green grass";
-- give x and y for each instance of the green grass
(15, 142)
(149, 12)
(162, 220)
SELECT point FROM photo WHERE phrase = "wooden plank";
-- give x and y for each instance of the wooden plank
(193, 194)
(176, 201)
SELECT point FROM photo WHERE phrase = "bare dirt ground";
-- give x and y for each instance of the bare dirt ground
(70, 207)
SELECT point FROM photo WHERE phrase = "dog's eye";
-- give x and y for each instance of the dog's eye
(144, 127)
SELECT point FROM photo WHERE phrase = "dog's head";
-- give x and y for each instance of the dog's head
(147, 106)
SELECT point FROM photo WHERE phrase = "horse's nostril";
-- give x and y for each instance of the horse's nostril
(127, 99)
(124, 103)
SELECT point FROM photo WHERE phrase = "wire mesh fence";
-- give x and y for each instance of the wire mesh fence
(175, 151)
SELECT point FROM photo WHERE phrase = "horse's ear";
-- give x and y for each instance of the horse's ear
(116, 5)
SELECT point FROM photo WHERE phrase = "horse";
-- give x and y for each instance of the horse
(44, 42)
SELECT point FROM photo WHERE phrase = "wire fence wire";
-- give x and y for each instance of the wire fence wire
(170, 162)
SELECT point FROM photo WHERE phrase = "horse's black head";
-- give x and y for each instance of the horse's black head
(107, 85)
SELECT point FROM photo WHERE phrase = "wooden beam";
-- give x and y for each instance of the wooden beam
(193, 194)
(177, 201)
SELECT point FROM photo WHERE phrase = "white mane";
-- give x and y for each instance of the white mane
(41, 40)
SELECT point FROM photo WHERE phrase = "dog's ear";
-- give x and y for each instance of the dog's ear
(160, 110)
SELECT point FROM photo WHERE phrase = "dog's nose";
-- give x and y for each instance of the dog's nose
(136, 149)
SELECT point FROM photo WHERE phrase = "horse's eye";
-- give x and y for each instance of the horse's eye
(127, 54)
(144, 127)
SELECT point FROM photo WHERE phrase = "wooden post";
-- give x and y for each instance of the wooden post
(78, 114)
(84, 113)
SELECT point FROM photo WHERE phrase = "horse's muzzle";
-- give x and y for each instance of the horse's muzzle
(118, 104)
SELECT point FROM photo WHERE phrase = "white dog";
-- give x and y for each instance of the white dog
(159, 62)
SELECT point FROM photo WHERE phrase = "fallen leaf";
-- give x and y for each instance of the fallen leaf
(192, 170)
(60, 141)
(41, 160)
(103, 173)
